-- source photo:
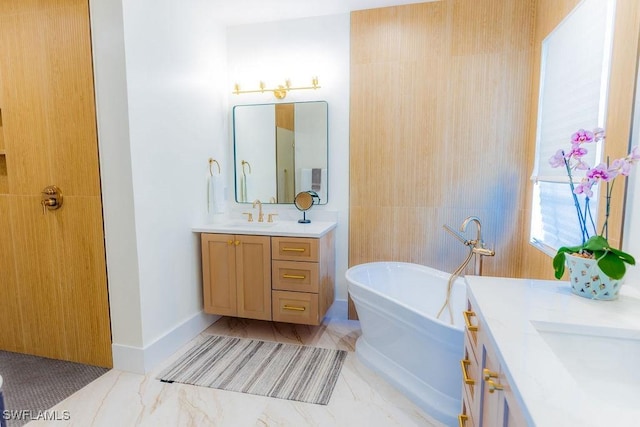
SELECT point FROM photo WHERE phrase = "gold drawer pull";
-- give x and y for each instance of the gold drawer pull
(293, 249)
(293, 308)
(294, 276)
(465, 375)
(487, 374)
(467, 320)
(462, 420)
(493, 386)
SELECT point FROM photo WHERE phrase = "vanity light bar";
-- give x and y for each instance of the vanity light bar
(281, 91)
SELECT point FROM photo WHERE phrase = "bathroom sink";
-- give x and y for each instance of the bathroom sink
(602, 360)
(244, 224)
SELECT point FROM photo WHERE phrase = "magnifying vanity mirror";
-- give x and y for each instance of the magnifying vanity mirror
(280, 150)
(303, 201)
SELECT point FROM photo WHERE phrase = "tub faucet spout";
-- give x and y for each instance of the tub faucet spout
(466, 222)
(478, 247)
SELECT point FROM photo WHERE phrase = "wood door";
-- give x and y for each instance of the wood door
(253, 268)
(219, 274)
(53, 281)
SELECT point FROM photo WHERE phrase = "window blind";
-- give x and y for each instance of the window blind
(574, 79)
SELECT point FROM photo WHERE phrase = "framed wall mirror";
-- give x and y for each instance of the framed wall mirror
(280, 150)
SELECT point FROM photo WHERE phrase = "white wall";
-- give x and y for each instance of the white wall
(115, 171)
(300, 49)
(162, 105)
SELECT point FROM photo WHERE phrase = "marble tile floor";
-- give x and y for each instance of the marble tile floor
(360, 398)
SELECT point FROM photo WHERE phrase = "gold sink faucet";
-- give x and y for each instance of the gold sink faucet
(260, 214)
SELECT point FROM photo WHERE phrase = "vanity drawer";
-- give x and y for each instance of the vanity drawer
(465, 419)
(295, 276)
(295, 248)
(469, 366)
(471, 324)
(295, 307)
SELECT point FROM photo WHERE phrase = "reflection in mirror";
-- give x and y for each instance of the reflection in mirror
(280, 150)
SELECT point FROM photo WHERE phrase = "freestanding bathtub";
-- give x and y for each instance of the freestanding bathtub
(403, 341)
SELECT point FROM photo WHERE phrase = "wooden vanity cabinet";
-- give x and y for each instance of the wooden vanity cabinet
(487, 397)
(284, 279)
(237, 275)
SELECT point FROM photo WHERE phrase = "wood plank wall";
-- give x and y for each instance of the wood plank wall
(439, 124)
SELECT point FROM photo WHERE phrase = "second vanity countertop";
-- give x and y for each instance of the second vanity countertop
(279, 228)
(570, 360)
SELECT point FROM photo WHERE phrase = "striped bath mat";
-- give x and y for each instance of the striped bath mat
(284, 371)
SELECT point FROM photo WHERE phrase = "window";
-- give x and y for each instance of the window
(574, 78)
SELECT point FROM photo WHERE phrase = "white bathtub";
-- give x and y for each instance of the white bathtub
(402, 340)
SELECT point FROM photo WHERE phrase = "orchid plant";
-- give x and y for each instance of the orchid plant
(610, 260)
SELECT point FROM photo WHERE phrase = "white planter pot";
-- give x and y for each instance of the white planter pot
(588, 281)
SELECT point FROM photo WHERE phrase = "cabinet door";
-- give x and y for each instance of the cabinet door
(253, 272)
(491, 398)
(498, 405)
(512, 414)
(219, 274)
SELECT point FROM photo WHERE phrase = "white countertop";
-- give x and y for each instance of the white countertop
(278, 228)
(524, 317)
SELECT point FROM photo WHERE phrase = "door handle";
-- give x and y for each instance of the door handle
(51, 198)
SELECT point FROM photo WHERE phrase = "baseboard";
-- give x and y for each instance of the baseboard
(142, 360)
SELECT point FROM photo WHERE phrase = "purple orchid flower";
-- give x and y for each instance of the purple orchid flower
(576, 151)
(584, 188)
(598, 134)
(634, 155)
(620, 167)
(582, 136)
(600, 172)
(557, 159)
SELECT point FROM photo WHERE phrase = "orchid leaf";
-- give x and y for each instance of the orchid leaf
(611, 261)
(558, 265)
(558, 260)
(624, 256)
(612, 266)
(596, 243)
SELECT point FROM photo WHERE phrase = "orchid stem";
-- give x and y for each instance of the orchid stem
(581, 217)
(605, 225)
